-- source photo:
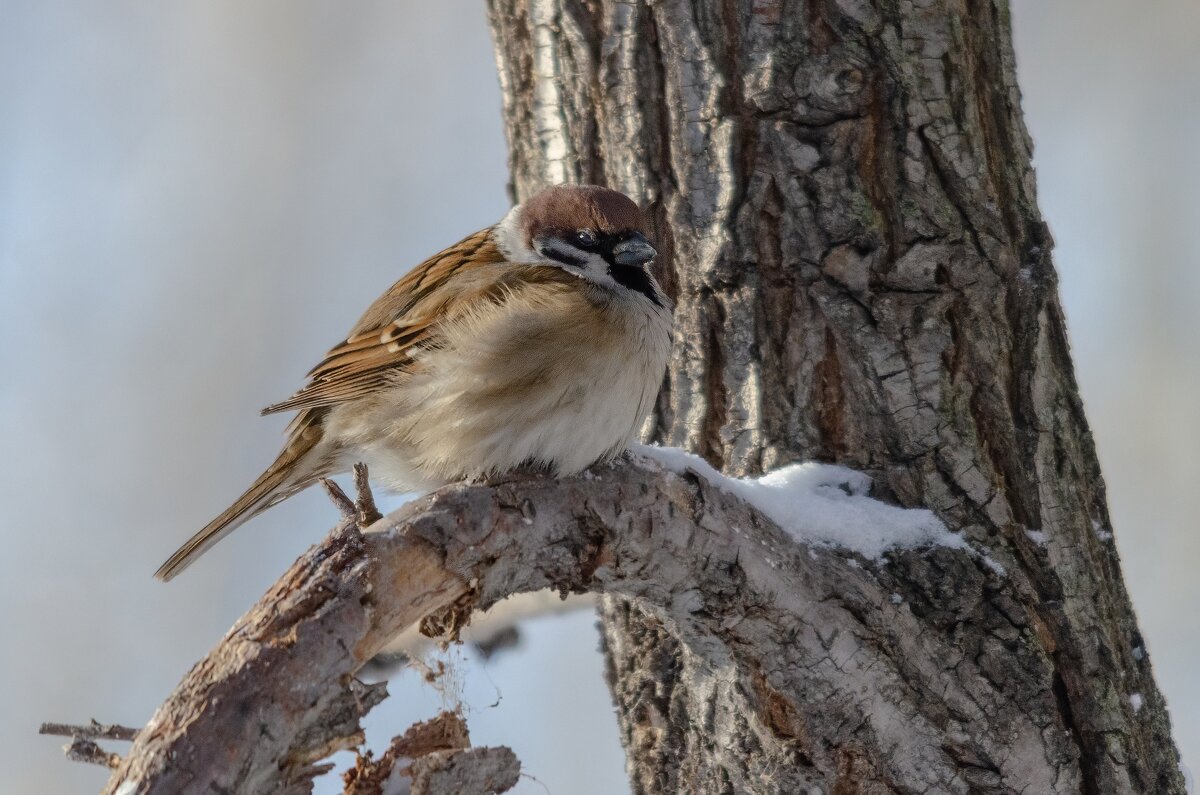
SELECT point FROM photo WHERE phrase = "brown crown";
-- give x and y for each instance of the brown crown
(566, 208)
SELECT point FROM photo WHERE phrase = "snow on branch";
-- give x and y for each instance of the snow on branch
(279, 693)
(822, 504)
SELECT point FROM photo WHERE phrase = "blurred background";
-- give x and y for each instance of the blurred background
(197, 198)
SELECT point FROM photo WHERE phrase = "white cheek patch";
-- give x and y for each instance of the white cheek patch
(563, 253)
(587, 265)
(596, 271)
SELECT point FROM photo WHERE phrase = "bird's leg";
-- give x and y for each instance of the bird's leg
(338, 497)
(361, 510)
(368, 514)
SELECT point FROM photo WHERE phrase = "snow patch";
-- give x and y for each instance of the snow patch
(996, 568)
(1135, 701)
(1037, 537)
(1139, 653)
(823, 505)
(1100, 532)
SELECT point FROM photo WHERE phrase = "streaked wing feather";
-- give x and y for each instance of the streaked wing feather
(402, 320)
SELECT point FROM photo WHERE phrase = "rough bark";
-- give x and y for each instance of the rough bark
(436, 757)
(862, 276)
(277, 695)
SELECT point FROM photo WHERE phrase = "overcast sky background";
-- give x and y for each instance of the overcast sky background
(197, 198)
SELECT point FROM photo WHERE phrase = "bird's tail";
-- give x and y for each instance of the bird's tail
(291, 472)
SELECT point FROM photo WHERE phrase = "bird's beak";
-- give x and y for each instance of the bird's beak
(635, 250)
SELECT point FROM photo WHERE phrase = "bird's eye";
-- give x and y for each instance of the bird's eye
(585, 238)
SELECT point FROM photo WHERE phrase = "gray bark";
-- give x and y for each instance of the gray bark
(277, 694)
(862, 276)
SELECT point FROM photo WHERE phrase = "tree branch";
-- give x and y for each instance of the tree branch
(437, 758)
(278, 694)
(83, 746)
(88, 751)
(93, 731)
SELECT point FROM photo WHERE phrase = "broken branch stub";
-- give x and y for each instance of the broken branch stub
(436, 758)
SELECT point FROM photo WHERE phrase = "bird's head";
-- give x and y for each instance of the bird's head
(595, 233)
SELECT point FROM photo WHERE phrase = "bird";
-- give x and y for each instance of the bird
(541, 341)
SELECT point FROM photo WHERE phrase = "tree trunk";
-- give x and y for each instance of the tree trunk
(862, 276)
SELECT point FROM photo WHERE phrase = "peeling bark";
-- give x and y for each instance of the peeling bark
(862, 276)
(436, 758)
(823, 635)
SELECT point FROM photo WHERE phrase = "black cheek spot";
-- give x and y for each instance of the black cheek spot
(563, 257)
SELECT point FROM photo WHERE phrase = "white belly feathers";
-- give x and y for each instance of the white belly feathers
(516, 383)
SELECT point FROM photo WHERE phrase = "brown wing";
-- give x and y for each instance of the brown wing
(401, 320)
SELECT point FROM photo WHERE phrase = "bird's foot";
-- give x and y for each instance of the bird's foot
(361, 510)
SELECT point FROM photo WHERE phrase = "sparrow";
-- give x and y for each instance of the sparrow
(540, 341)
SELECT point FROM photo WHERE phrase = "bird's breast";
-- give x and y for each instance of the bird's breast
(549, 378)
